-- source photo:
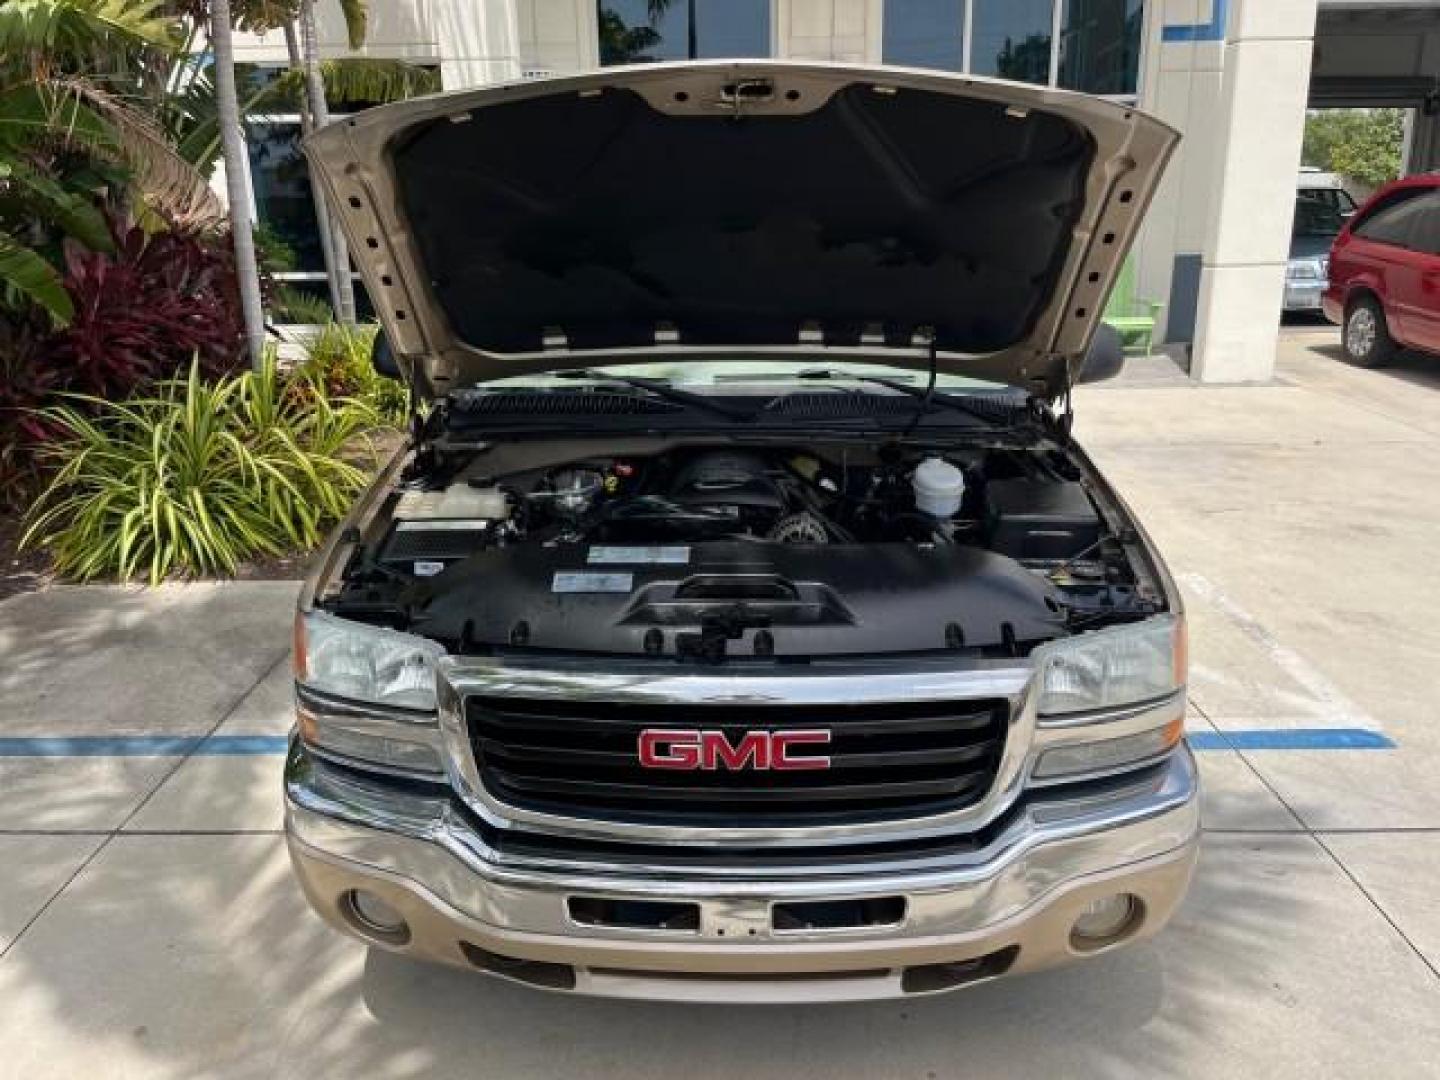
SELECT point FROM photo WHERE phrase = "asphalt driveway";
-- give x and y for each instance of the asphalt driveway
(150, 928)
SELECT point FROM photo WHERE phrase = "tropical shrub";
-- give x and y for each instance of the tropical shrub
(338, 360)
(140, 313)
(145, 312)
(195, 478)
(23, 383)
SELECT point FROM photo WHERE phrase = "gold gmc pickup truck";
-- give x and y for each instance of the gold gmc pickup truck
(741, 620)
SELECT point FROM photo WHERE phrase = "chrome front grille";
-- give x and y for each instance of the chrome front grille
(580, 760)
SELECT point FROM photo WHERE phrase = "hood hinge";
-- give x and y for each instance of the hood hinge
(1055, 407)
(1066, 417)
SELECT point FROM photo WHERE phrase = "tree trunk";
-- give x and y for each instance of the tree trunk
(322, 210)
(320, 112)
(233, 147)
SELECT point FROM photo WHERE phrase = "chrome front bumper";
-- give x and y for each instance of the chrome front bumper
(1004, 904)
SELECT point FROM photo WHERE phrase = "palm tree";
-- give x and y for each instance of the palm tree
(622, 44)
(232, 145)
(338, 251)
(322, 212)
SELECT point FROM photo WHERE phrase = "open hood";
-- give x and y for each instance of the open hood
(742, 209)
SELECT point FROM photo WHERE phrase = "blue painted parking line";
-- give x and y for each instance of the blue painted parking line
(1291, 739)
(252, 745)
(143, 745)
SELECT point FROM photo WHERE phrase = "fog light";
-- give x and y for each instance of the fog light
(1104, 920)
(375, 917)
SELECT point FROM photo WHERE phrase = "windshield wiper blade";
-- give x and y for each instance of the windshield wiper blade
(928, 396)
(660, 389)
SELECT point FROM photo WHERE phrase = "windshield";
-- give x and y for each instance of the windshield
(1317, 217)
(768, 377)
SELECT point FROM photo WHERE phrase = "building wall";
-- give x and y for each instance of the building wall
(472, 41)
(404, 29)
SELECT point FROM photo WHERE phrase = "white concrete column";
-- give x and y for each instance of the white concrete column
(843, 30)
(1261, 123)
(557, 37)
(1422, 143)
(1180, 83)
(479, 41)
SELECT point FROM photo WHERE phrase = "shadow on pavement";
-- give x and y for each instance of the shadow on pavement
(1417, 368)
(108, 660)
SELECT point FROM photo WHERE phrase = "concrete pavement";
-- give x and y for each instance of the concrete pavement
(150, 928)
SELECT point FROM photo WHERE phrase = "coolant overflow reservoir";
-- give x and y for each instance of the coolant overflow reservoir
(939, 488)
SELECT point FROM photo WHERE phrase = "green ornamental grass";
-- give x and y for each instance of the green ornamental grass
(196, 478)
(337, 357)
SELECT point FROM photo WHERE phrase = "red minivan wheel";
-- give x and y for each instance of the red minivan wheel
(1365, 335)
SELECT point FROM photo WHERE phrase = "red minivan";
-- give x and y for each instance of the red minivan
(1385, 273)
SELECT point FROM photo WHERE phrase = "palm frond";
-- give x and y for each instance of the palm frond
(35, 113)
(25, 272)
(259, 16)
(193, 117)
(48, 35)
(40, 195)
(168, 182)
(357, 21)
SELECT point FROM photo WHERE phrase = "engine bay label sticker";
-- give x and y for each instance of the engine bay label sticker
(588, 581)
(648, 554)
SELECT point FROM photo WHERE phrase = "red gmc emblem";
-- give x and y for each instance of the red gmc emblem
(677, 748)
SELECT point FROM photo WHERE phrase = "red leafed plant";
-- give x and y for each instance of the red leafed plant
(145, 312)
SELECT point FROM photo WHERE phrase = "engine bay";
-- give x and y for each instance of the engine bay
(711, 548)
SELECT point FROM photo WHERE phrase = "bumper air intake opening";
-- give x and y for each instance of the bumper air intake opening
(931, 978)
(535, 972)
(870, 911)
(634, 914)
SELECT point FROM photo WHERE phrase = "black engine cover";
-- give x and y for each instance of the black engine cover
(785, 600)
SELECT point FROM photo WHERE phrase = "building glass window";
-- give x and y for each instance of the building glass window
(280, 188)
(925, 33)
(284, 201)
(1100, 45)
(1012, 39)
(640, 31)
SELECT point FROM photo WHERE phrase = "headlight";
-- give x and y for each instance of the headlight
(366, 696)
(1107, 699)
(365, 663)
(1123, 665)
